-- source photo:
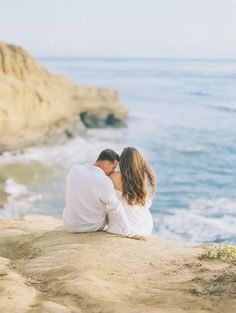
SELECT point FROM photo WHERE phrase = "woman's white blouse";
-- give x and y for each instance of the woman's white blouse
(139, 217)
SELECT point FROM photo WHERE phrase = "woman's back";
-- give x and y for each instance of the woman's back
(139, 216)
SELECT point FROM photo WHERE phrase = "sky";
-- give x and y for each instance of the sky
(121, 28)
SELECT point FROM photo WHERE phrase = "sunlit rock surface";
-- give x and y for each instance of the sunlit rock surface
(39, 107)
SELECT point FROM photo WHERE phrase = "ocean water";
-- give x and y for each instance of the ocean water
(182, 117)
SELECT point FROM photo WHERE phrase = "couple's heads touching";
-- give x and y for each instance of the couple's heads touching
(107, 161)
(133, 177)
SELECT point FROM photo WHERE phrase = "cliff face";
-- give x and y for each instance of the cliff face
(16, 62)
(43, 268)
(36, 106)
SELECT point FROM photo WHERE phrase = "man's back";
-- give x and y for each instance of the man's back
(84, 209)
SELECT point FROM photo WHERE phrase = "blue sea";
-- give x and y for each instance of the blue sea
(182, 117)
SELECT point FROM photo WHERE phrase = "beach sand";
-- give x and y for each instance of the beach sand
(43, 268)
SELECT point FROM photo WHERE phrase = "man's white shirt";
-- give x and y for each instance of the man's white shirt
(90, 200)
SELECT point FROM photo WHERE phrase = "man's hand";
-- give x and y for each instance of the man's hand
(138, 237)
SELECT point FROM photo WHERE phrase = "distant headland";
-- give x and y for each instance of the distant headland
(37, 107)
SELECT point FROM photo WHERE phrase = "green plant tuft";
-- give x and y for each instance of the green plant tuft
(219, 252)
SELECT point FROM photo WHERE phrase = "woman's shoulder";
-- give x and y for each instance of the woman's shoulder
(116, 179)
(115, 175)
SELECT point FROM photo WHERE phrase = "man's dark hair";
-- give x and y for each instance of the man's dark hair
(108, 155)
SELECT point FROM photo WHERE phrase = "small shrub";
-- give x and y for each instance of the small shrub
(219, 252)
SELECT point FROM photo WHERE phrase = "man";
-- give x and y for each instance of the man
(91, 198)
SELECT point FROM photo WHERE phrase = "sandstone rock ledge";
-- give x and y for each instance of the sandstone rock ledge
(37, 107)
(43, 268)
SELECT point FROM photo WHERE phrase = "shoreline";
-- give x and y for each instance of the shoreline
(44, 268)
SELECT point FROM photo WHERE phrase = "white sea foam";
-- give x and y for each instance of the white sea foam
(76, 150)
(46, 155)
(19, 199)
(14, 189)
(212, 207)
(200, 222)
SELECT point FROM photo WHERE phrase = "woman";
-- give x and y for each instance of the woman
(131, 185)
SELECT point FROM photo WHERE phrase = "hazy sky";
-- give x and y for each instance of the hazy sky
(121, 28)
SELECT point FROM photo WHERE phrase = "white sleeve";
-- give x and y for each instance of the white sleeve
(115, 212)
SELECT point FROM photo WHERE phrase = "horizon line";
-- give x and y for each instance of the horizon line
(214, 59)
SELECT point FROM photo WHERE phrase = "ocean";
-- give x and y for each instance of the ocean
(182, 117)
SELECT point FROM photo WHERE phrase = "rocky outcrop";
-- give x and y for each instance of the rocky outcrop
(43, 268)
(38, 107)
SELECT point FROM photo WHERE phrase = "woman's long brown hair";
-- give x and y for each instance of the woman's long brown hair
(134, 175)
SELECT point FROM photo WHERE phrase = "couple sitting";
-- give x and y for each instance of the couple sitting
(97, 198)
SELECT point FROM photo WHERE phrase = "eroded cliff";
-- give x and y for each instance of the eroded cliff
(39, 107)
